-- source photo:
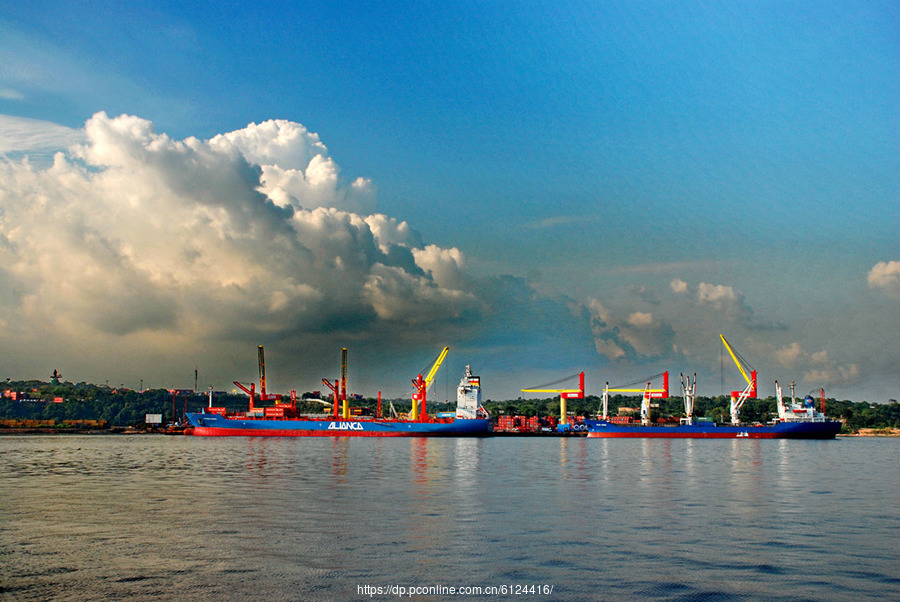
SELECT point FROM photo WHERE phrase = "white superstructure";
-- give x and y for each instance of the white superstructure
(804, 411)
(468, 396)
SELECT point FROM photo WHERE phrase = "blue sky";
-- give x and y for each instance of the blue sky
(596, 186)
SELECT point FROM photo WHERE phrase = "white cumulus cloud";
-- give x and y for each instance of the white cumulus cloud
(640, 319)
(632, 335)
(249, 235)
(678, 286)
(818, 367)
(833, 375)
(790, 355)
(885, 275)
(717, 295)
(296, 168)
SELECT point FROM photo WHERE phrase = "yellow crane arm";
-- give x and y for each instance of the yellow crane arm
(543, 389)
(636, 390)
(434, 368)
(737, 363)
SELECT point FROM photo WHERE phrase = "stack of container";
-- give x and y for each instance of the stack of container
(525, 424)
(512, 424)
(621, 419)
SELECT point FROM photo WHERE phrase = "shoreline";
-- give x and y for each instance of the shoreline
(76, 431)
(873, 432)
(866, 432)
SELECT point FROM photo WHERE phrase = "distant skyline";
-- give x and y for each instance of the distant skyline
(544, 187)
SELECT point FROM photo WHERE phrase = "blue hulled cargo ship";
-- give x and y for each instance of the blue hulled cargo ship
(283, 420)
(797, 420)
(825, 429)
(215, 425)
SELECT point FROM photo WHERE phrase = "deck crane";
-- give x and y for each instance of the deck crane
(689, 391)
(739, 397)
(564, 394)
(822, 401)
(345, 408)
(779, 398)
(339, 389)
(421, 388)
(263, 395)
(648, 393)
(335, 395)
(251, 392)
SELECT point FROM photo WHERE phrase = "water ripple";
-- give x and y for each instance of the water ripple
(241, 519)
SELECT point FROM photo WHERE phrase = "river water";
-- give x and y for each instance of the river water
(154, 517)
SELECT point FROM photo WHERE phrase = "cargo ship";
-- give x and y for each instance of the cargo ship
(283, 420)
(798, 420)
(795, 429)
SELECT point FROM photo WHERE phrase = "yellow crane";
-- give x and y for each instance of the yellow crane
(564, 394)
(421, 385)
(739, 397)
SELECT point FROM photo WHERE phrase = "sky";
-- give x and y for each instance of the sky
(546, 188)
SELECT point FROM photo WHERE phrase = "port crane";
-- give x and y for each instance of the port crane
(648, 393)
(739, 397)
(421, 388)
(564, 394)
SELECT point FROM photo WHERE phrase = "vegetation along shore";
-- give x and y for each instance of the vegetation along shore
(36, 406)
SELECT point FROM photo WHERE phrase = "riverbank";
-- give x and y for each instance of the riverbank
(56, 431)
(881, 432)
(49, 430)
(867, 432)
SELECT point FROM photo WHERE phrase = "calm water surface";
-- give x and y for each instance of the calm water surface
(153, 517)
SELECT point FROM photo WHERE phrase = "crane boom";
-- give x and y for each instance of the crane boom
(564, 394)
(654, 393)
(739, 397)
(345, 406)
(262, 370)
(434, 368)
(569, 390)
(736, 360)
(418, 411)
(549, 390)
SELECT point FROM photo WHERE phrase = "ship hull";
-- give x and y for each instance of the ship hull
(214, 425)
(782, 430)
